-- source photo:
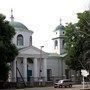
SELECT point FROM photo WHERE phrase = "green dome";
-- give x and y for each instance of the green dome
(18, 25)
(60, 27)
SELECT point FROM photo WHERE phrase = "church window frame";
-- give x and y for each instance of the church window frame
(20, 40)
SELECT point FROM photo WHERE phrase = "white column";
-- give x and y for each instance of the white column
(45, 68)
(35, 69)
(25, 69)
(14, 71)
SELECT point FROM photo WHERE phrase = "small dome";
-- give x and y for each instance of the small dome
(18, 25)
(60, 27)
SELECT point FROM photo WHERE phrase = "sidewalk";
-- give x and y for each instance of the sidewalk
(78, 87)
(75, 87)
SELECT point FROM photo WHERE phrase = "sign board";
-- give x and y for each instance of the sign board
(84, 73)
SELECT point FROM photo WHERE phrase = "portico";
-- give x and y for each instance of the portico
(29, 64)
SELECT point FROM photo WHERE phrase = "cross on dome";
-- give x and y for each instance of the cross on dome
(12, 17)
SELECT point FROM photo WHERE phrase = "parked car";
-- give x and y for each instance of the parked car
(63, 83)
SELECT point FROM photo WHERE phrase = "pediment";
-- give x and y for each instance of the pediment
(31, 50)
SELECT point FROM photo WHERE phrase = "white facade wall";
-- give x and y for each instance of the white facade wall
(56, 33)
(55, 65)
(19, 65)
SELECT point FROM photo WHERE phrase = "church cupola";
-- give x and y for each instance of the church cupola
(58, 39)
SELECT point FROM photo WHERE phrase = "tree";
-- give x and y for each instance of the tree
(78, 42)
(8, 50)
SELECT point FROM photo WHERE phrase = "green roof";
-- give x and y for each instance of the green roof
(54, 54)
(59, 27)
(18, 25)
(57, 55)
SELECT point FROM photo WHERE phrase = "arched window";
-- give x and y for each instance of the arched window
(56, 43)
(19, 40)
(30, 60)
(30, 40)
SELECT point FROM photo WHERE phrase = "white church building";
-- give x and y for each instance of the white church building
(33, 62)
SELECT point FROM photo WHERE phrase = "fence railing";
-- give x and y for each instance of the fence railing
(36, 79)
(31, 82)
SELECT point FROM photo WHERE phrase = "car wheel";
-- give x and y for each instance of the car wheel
(60, 86)
(70, 85)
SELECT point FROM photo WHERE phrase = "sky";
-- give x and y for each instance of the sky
(42, 16)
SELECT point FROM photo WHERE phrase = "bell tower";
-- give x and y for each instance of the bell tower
(58, 39)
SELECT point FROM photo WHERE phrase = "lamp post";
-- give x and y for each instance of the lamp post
(40, 61)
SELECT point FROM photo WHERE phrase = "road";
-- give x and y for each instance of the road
(75, 87)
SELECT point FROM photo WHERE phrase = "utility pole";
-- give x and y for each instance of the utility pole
(40, 62)
(40, 70)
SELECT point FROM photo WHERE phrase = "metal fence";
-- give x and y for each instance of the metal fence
(36, 79)
(31, 82)
(43, 81)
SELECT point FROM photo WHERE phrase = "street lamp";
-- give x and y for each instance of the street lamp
(40, 61)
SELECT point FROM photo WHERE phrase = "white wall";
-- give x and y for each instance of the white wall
(20, 66)
(55, 65)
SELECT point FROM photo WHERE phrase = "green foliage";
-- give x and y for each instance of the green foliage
(8, 51)
(78, 41)
(4, 68)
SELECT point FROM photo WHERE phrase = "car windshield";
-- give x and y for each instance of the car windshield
(60, 81)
